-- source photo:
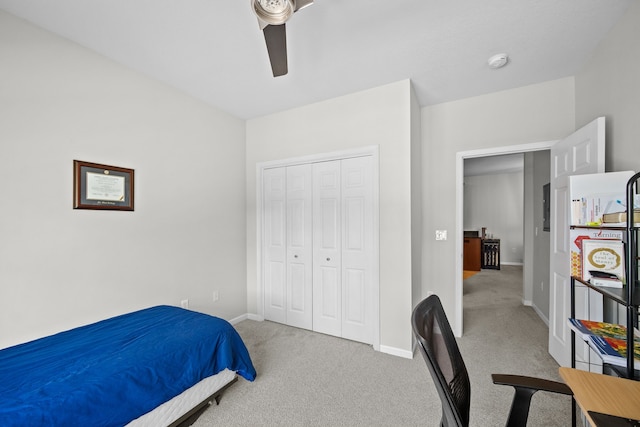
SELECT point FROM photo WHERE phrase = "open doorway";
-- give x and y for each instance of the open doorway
(532, 243)
(494, 210)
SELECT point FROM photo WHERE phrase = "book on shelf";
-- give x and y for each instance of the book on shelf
(592, 196)
(608, 340)
(614, 350)
(605, 258)
(606, 282)
(578, 235)
(595, 209)
(587, 328)
(620, 217)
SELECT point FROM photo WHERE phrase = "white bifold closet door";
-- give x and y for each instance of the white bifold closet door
(287, 245)
(342, 248)
(318, 248)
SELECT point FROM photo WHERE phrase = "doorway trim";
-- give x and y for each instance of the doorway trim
(373, 151)
(459, 220)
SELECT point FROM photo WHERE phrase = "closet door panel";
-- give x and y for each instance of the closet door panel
(327, 276)
(299, 246)
(357, 249)
(274, 245)
(355, 297)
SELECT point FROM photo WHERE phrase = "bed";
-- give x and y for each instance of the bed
(153, 367)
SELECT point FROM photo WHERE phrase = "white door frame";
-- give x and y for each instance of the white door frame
(373, 151)
(460, 157)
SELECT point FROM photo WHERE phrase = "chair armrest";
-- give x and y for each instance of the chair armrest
(525, 387)
(520, 381)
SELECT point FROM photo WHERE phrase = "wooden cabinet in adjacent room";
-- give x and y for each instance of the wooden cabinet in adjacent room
(472, 259)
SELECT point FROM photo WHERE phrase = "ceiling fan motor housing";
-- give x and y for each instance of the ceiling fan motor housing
(273, 12)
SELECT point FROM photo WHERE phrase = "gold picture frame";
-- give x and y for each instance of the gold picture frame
(103, 187)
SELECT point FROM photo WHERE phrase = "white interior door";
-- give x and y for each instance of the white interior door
(299, 278)
(274, 215)
(327, 248)
(580, 153)
(357, 249)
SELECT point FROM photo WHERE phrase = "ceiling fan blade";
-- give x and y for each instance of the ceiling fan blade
(276, 38)
(301, 4)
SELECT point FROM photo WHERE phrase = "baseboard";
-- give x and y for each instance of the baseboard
(396, 352)
(239, 319)
(383, 348)
(511, 263)
(541, 315)
(246, 316)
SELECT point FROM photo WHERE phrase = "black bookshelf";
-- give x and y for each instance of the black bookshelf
(629, 295)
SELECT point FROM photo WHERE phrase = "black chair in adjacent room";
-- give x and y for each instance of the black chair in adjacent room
(442, 355)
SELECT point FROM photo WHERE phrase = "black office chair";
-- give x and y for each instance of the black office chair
(440, 350)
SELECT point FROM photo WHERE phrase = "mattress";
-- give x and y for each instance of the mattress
(114, 371)
(171, 411)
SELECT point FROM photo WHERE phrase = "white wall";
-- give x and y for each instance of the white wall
(609, 86)
(541, 165)
(530, 114)
(495, 201)
(61, 267)
(416, 202)
(379, 116)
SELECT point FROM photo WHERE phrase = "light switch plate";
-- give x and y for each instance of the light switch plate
(441, 234)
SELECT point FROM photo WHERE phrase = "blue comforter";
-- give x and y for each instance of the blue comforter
(111, 372)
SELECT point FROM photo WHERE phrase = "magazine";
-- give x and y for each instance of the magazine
(614, 350)
(609, 340)
(586, 328)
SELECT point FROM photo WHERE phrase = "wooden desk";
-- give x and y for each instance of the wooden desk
(603, 393)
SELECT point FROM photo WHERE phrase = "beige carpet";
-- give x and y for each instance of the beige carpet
(310, 379)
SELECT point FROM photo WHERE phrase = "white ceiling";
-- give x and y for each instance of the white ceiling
(214, 50)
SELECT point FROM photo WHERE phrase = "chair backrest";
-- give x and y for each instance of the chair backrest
(442, 355)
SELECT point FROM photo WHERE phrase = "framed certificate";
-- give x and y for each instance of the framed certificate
(97, 186)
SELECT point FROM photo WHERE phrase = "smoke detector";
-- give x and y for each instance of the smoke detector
(498, 61)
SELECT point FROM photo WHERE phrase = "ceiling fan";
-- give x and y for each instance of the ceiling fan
(272, 15)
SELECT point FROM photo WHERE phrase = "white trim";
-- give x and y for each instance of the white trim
(460, 157)
(372, 150)
(541, 315)
(246, 316)
(396, 352)
(239, 319)
(259, 240)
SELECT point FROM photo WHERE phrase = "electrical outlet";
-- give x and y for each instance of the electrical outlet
(184, 303)
(216, 296)
(441, 234)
